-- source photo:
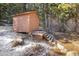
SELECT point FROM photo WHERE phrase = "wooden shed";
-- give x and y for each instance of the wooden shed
(26, 22)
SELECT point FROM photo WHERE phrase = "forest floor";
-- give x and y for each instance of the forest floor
(7, 36)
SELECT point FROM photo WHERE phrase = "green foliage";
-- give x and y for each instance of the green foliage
(7, 10)
(64, 11)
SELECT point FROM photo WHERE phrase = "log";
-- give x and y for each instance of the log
(38, 34)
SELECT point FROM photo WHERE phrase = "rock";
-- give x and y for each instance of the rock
(34, 50)
(72, 53)
(52, 53)
(66, 40)
(58, 49)
(52, 43)
(17, 41)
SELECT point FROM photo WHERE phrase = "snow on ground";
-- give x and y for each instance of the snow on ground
(7, 36)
